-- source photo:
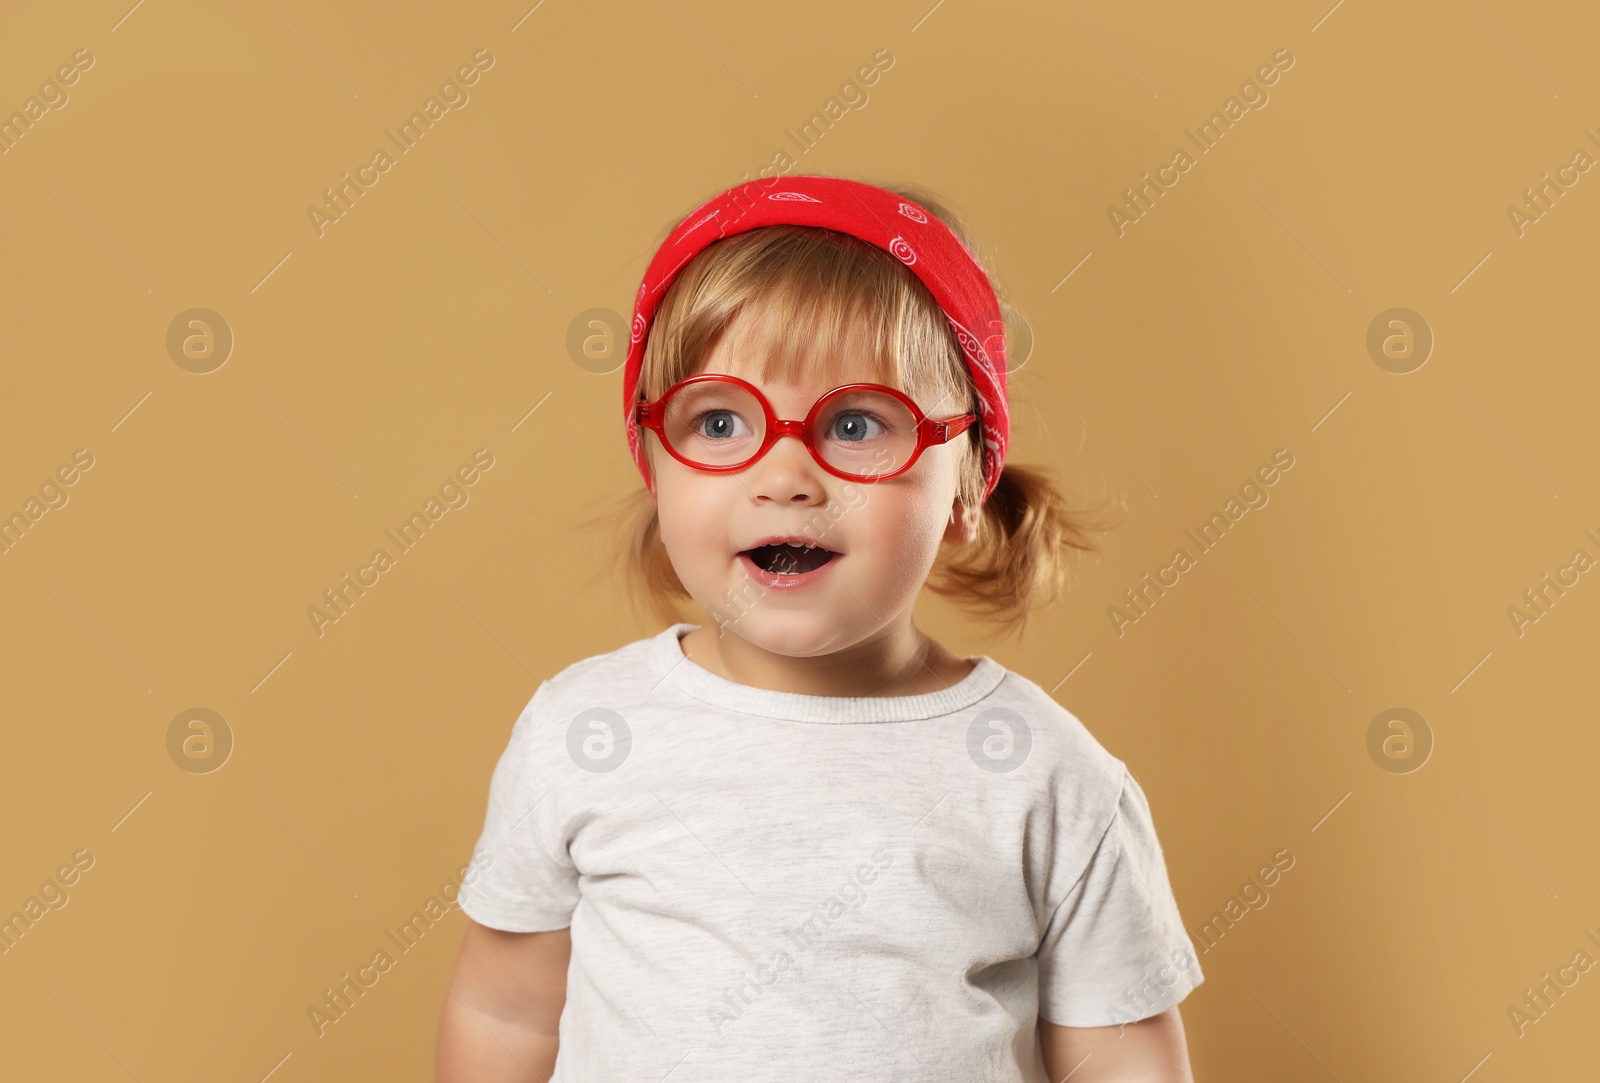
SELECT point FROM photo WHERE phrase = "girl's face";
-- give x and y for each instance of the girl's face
(886, 533)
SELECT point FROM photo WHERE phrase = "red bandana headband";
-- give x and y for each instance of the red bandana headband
(881, 218)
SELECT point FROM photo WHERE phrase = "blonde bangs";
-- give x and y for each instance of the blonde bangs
(823, 306)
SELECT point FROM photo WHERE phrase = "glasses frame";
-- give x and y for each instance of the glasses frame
(930, 431)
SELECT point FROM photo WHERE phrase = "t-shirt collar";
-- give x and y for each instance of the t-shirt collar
(677, 669)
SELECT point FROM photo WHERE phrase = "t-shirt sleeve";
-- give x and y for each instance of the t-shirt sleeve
(522, 881)
(1115, 950)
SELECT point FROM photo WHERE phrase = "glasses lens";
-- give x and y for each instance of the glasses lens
(865, 433)
(714, 423)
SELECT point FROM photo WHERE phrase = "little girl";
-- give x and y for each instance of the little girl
(802, 840)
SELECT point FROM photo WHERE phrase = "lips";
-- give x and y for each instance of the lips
(789, 555)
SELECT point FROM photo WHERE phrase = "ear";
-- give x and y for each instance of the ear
(963, 526)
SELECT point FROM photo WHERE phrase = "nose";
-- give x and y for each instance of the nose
(787, 474)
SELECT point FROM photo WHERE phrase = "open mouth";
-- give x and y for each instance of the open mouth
(786, 559)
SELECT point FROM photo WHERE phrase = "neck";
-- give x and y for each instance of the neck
(899, 660)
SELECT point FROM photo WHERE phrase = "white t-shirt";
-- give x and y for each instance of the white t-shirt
(769, 885)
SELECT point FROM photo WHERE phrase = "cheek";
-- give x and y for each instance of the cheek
(693, 522)
(927, 504)
(902, 529)
(681, 510)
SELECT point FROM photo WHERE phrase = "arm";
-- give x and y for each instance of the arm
(1148, 1051)
(502, 1007)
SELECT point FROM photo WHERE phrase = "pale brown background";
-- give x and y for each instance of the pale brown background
(373, 360)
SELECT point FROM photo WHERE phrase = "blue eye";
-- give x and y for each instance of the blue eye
(719, 425)
(856, 425)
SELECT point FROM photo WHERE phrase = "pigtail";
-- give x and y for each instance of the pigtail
(1020, 559)
(624, 533)
(1027, 533)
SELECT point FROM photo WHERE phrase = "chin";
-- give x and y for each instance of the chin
(792, 633)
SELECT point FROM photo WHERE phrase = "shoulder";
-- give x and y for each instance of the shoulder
(597, 690)
(1083, 781)
(602, 681)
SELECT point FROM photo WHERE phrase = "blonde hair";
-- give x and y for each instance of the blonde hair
(823, 291)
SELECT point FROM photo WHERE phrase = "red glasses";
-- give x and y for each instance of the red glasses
(860, 432)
